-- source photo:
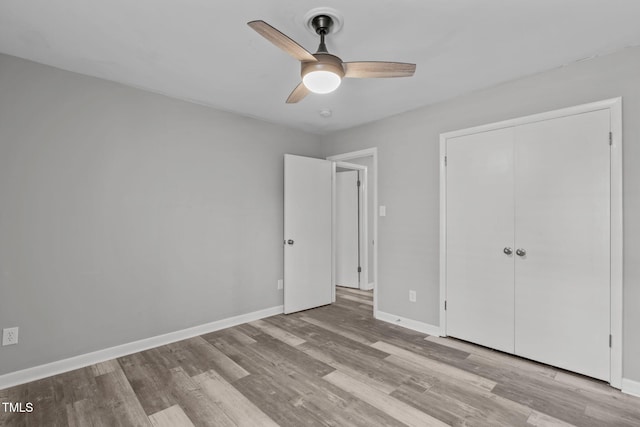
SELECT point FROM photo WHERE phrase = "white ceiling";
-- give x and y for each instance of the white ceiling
(202, 50)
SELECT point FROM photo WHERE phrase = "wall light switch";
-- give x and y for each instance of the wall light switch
(412, 296)
(280, 284)
(383, 211)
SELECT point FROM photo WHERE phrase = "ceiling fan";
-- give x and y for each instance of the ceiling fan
(323, 72)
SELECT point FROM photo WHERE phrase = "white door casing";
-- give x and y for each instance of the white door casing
(347, 233)
(307, 225)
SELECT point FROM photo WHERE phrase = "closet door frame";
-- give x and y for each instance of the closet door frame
(614, 105)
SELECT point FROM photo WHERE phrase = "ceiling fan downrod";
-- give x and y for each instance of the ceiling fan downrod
(322, 24)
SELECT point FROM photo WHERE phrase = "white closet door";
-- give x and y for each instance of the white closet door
(347, 234)
(562, 287)
(479, 228)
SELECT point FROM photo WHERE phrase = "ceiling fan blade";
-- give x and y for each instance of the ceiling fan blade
(281, 41)
(297, 94)
(378, 69)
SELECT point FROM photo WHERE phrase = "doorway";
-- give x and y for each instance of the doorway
(350, 237)
(309, 231)
(366, 161)
(350, 228)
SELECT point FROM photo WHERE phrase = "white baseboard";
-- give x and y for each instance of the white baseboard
(631, 387)
(367, 287)
(425, 328)
(38, 372)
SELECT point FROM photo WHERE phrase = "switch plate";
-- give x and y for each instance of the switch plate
(383, 211)
(280, 284)
(412, 296)
(10, 336)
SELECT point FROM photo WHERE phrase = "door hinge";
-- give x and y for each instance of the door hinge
(359, 269)
(445, 160)
(358, 183)
(610, 138)
(445, 304)
(610, 340)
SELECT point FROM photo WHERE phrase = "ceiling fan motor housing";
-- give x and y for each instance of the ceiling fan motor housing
(326, 62)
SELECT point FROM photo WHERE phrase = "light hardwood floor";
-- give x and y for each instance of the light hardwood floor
(334, 365)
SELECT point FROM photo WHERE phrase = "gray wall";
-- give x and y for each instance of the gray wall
(408, 148)
(125, 214)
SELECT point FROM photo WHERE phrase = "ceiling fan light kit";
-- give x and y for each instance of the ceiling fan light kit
(322, 72)
(323, 75)
(321, 81)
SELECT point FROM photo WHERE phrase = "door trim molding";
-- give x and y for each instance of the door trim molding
(345, 157)
(614, 105)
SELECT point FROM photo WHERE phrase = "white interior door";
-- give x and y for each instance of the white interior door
(562, 286)
(479, 231)
(347, 229)
(307, 233)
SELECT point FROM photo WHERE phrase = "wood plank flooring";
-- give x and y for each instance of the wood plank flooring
(333, 365)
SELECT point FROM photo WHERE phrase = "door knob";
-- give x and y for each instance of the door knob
(290, 242)
(507, 251)
(521, 252)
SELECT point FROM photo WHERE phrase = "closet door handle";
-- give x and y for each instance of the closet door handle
(507, 250)
(521, 252)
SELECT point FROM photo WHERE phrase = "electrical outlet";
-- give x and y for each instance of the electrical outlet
(280, 284)
(10, 336)
(412, 296)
